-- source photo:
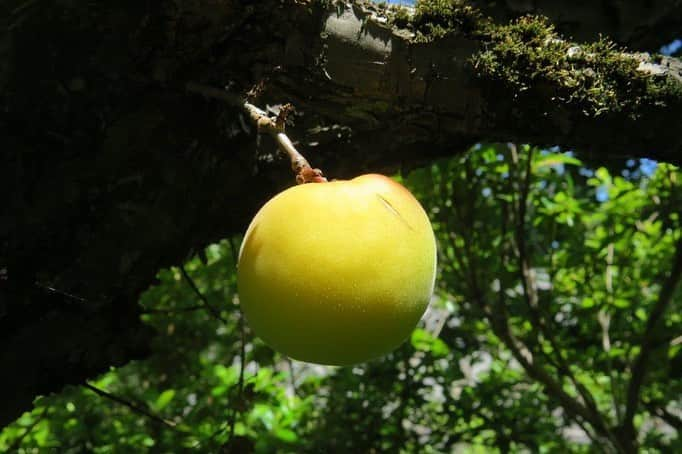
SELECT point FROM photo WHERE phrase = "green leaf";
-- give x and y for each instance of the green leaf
(603, 175)
(588, 302)
(164, 399)
(641, 314)
(554, 159)
(621, 303)
(227, 375)
(424, 341)
(286, 435)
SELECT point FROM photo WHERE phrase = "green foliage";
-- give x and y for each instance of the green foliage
(565, 260)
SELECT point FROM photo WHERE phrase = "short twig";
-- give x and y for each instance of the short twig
(305, 173)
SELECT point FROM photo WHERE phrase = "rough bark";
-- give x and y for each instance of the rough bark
(111, 169)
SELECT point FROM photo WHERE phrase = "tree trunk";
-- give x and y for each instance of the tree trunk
(111, 168)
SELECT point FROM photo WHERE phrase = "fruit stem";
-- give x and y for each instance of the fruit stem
(305, 173)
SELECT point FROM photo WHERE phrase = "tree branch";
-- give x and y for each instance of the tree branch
(660, 411)
(213, 311)
(173, 310)
(499, 320)
(639, 368)
(236, 409)
(136, 408)
(537, 318)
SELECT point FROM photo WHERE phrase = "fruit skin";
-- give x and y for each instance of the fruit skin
(337, 273)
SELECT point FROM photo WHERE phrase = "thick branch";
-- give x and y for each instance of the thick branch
(520, 82)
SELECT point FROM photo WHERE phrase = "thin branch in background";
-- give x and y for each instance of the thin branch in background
(405, 399)
(61, 292)
(661, 412)
(518, 241)
(232, 420)
(240, 383)
(237, 401)
(499, 321)
(134, 407)
(214, 312)
(173, 310)
(15, 445)
(242, 327)
(585, 427)
(604, 319)
(242, 348)
(575, 407)
(234, 250)
(537, 318)
(292, 376)
(639, 368)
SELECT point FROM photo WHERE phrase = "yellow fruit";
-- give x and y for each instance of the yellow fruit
(337, 273)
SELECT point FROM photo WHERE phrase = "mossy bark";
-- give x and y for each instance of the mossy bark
(641, 25)
(111, 169)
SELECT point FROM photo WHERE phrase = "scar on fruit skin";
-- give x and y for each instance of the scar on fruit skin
(392, 209)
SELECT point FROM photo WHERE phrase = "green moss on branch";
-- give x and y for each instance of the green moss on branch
(598, 77)
(430, 20)
(434, 19)
(528, 53)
